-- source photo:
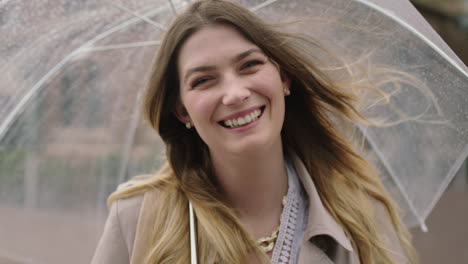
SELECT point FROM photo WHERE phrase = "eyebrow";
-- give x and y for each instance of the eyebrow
(210, 68)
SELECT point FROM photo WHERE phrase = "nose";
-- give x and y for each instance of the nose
(234, 92)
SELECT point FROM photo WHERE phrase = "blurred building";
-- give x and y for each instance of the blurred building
(450, 19)
(447, 239)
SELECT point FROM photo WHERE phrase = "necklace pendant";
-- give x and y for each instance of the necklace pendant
(268, 248)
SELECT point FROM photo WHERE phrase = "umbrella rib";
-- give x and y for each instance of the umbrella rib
(414, 31)
(262, 5)
(39, 84)
(122, 46)
(144, 18)
(392, 174)
(23, 102)
(173, 7)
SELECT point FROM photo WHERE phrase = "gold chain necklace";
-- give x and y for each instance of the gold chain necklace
(267, 243)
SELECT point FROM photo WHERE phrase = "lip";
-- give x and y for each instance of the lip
(241, 113)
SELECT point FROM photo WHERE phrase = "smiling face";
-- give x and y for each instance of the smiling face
(230, 91)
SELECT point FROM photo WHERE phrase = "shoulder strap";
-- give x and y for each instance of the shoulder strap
(193, 235)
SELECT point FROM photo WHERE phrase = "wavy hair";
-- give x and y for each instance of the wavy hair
(345, 181)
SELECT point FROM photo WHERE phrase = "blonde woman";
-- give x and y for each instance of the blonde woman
(245, 119)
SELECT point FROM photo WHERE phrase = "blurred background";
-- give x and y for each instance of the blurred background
(77, 142)
(447, 239)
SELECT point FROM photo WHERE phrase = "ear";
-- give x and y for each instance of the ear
(181, 113)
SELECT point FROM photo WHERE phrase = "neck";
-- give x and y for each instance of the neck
(253, 183)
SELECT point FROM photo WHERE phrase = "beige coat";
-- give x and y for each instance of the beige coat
(324, 239)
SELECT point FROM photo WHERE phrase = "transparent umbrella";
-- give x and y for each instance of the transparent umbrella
(72, 74)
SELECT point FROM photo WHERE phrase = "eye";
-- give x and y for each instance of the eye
(251, 64)
(200, 81)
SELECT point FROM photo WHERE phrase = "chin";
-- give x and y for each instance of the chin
(252, 146)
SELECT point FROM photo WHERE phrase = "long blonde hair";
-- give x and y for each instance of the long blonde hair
(345, 182)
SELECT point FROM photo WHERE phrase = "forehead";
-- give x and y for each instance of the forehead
(210, 45)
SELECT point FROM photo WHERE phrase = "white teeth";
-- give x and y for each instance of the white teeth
(243, 120)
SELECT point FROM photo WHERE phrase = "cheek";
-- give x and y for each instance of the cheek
(269, 85)
(199, 105)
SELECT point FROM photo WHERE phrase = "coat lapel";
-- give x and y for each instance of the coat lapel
(321, 223)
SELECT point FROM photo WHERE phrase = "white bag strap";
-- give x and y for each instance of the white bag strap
(193, 237)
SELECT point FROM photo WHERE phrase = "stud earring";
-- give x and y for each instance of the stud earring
(286, 91)
(188, 125)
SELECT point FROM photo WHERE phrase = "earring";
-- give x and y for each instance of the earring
(286, 91)
(188, 125)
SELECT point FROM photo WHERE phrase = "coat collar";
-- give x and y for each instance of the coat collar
(320, 222)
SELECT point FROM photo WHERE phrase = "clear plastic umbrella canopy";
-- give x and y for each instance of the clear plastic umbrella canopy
(72, 75)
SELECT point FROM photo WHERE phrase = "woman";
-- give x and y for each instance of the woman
(245, 118)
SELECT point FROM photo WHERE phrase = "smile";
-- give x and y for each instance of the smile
(243, 120)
